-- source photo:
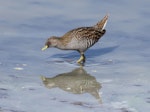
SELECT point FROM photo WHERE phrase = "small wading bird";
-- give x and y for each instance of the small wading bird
(79, 39)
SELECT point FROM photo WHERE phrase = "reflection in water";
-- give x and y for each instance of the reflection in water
(77, 81)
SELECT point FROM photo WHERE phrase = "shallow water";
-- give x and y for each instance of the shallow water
(115, 77)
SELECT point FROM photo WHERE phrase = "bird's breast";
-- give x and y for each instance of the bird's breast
(81, 43)
(81, 38)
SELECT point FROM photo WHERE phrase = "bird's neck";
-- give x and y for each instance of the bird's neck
(60, 44)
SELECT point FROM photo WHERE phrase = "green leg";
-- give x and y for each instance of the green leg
(81, 59)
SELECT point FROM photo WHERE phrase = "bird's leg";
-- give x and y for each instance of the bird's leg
(81, 59)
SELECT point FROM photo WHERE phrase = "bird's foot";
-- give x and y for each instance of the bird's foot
(81, 60)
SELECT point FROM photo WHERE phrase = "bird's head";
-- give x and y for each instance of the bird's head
(51, 42)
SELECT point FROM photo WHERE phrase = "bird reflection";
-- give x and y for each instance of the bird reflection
(77, 81)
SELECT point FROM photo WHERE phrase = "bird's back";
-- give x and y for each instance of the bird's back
(84, 37)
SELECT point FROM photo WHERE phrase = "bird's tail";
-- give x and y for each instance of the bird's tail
(101, 24)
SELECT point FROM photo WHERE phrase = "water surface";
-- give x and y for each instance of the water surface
(115, 76)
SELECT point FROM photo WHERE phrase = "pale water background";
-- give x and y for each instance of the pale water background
(115, 78)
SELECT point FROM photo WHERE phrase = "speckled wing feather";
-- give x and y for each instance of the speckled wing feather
(86, 33)
(82, 38)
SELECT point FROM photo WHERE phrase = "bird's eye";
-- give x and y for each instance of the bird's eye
(48, 43)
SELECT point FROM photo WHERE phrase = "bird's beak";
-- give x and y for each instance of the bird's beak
(44, 48)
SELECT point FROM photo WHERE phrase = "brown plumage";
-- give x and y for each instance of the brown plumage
(79, 39)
